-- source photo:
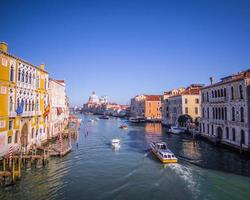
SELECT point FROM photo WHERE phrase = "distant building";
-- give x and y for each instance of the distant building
(225, 110)
(146, 106)
(59, 108)
(183, 101)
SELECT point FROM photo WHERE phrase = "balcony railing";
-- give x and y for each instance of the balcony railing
(218, 100)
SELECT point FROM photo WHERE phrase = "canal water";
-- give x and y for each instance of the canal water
(94, 171)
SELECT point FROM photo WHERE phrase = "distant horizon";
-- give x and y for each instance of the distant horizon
(125, 48)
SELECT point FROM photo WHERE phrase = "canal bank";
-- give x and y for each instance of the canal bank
(94, 171)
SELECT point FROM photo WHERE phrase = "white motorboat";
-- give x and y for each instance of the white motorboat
(91, 120)
(115, 143)
(175, 130)
(163, 153)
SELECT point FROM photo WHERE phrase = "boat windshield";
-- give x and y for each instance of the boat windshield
(162, 146)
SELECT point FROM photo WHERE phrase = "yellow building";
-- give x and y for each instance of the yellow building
(23, 99)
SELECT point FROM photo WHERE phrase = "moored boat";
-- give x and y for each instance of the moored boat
(175, 130)
(163, 153)
(103, 117)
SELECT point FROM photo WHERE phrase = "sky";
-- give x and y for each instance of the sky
(123, 48)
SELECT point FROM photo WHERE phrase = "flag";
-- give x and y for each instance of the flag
(19, 110)
(46, 111)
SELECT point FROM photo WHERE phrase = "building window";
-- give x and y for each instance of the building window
(203, 112)
(30, 78)
(232, 92)
(225, 92)
(219, 113)
(233, 114)
(242, 137)
(23, 76)
(186, 101)
(202, 97)
(233, 134)
(186, 110)
(12, 73)
(10, 125)
(197, 100)
(11, 104)
(16, 136)
(9, 139)
(208, 113)
(212, 129)
(241, 92)
(225, 110)
(227, 133)
(222, 113)
(241, 114)
(207, 97)
(203, 127)
(19, 74)
(212, 94)
(215, 93)
(208, 129)
(216, 113)
(32, 133)
(196, 110)
(221, 92)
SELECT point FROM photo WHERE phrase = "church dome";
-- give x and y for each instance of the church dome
(93, 98)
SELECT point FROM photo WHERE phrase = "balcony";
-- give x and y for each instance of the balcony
(12, 114)
(218, 100)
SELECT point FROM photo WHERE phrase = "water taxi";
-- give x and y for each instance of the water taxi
(163, 153)
(115, 143)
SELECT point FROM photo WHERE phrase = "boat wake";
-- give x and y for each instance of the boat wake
(186, 174)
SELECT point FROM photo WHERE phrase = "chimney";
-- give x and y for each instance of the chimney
(4, 46)
(211, 80)
(42, 66)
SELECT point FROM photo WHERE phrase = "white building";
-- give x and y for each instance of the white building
(59, 111)
(225, 111)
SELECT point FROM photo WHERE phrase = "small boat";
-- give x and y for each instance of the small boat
(137, 119)
(163, 153)
(123, 126)
(91, 120)
(104, 117)
(175, 130)
(115, 143)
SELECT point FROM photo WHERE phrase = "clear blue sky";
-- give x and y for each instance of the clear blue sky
(123, 48)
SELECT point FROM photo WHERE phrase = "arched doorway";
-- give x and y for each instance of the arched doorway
(24, 135)
(219, 133)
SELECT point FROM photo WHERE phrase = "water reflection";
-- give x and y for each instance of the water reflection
(153, 128)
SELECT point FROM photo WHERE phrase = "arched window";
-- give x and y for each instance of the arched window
(12, 73)
(23, 76)
(241, 114)
(225, 92)
(216, 113)
(222, 113)
(241, 92)
(232, 92)
(30, 78)
(233, 134)
(19, 74)
(218, 93)
(29, 105)
(213, 113)
(208, 113)
(33, 105)
(11, 104)
(212, 94)
(219, 113)
(215, 93)
(26, 105)
(26, 77)
(242, 137)
(225, 110)
(16, 136)
(233, 114)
